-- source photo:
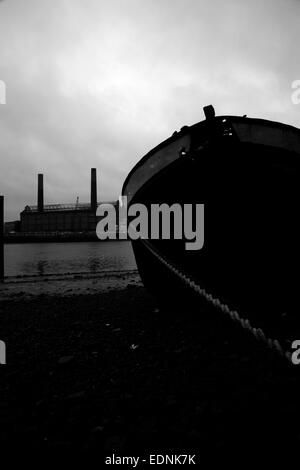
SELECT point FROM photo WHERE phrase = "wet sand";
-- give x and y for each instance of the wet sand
(94, 364)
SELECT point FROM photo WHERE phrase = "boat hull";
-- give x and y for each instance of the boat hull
(251, 236)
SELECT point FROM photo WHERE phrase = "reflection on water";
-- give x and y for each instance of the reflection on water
(59, 258)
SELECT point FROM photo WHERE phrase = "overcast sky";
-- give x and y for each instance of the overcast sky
(94, 83)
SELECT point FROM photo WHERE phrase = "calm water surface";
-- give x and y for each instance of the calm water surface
(58, 258)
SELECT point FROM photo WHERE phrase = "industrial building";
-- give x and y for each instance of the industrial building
(53, 218)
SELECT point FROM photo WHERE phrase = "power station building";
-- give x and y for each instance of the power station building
(77, 217)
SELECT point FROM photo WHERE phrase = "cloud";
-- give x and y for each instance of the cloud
(97, 83)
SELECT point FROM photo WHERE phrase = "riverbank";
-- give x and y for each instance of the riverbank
(109, 371)
(57, 237)
(67, 284)
(50, 237)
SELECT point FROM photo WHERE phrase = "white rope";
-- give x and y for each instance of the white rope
(258, 333)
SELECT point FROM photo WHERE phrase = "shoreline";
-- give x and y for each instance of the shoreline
(57, 238)
(67, 284)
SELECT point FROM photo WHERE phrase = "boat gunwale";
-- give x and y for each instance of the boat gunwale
(191, 129)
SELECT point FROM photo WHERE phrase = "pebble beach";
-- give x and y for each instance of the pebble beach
(95, 364)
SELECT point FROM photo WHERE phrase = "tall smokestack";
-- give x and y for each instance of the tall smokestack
(40, 193)
(93, 189)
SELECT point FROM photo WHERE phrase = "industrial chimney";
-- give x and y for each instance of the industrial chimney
(93, 190)
(40, 193)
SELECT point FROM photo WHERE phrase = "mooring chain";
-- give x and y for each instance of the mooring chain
(258, 333)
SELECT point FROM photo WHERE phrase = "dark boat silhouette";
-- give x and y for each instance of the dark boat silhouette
(246, 173)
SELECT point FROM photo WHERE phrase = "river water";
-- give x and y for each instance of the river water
(30, 259)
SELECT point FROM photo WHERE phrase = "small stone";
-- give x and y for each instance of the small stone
(97, 429)
(65, 359)
(76, 395)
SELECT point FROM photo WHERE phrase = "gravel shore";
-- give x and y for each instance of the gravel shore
(99, 366)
